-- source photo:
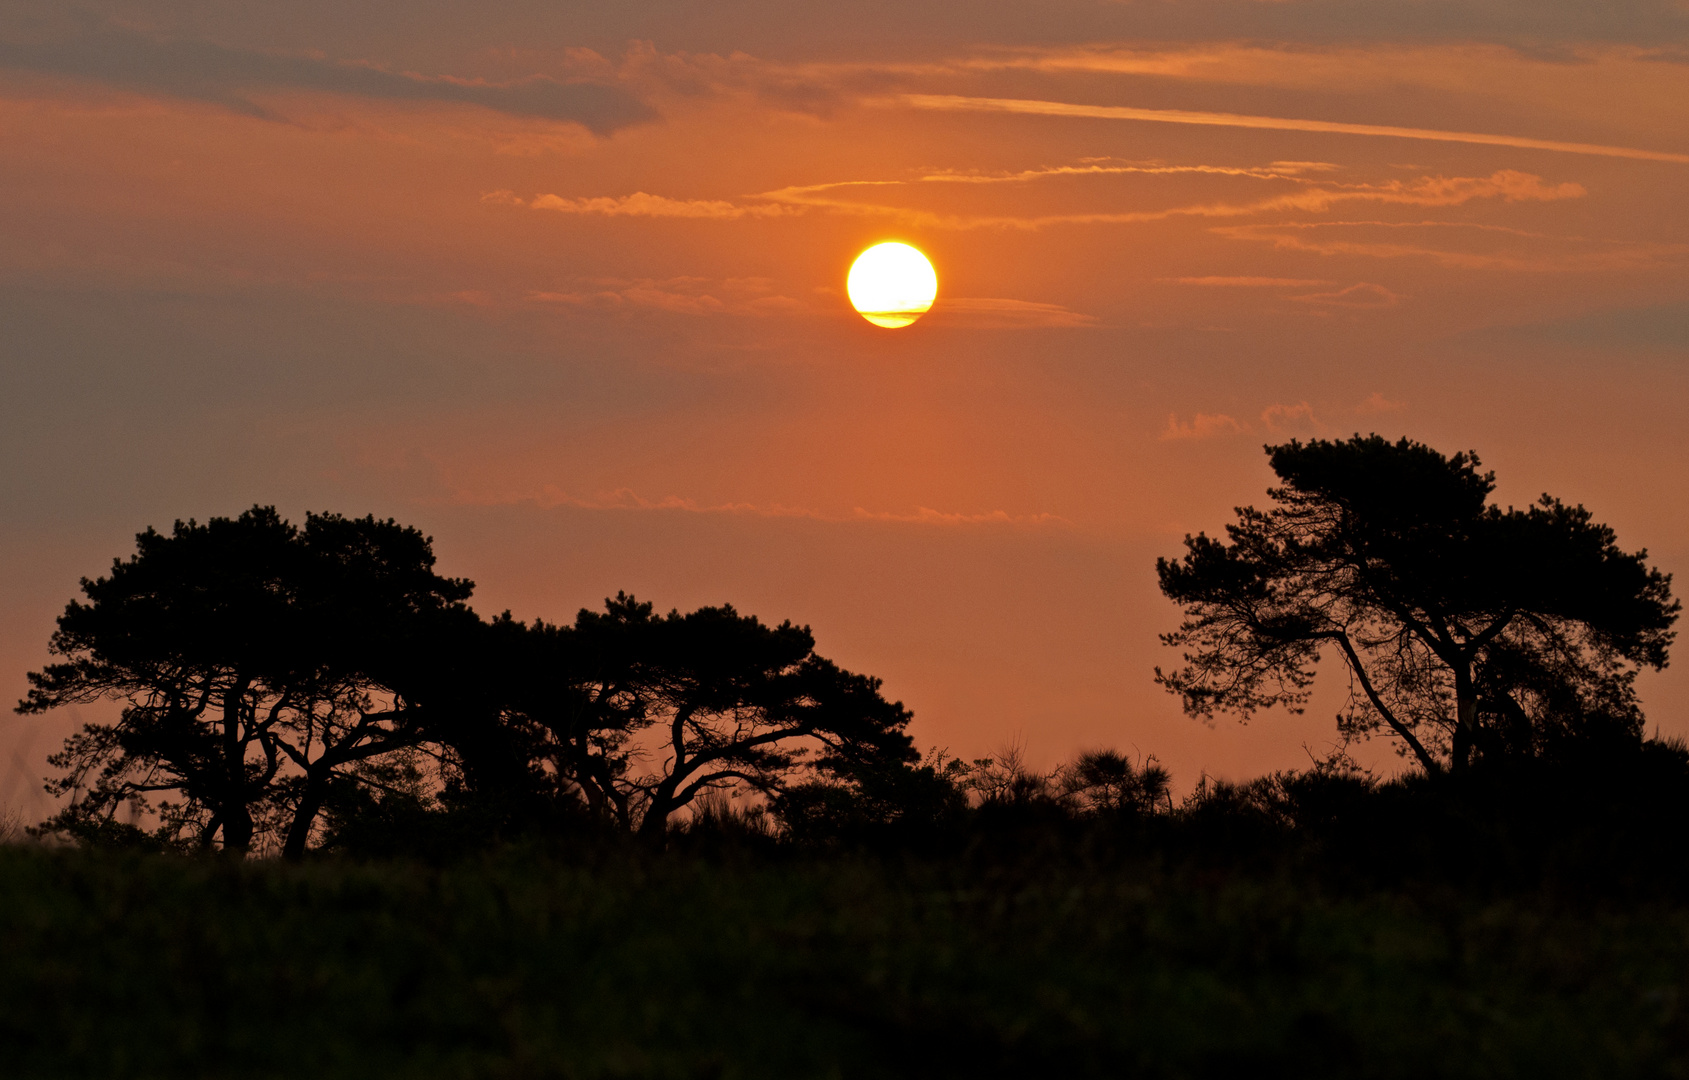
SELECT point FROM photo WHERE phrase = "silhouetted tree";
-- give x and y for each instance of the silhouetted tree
(1005, 779)
(258, 663)
(637, 714)
(1106, 782)
(1464, 627)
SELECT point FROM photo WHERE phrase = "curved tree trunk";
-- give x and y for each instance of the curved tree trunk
(310, 803)
(1353, 658)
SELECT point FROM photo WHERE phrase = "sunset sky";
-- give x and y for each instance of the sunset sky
(563, 285)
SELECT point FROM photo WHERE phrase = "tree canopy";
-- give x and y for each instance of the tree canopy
(636, 714)
(258, 664)
(1465, 629)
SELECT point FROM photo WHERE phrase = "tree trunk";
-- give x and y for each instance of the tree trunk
(654, 825)
(237, 819)
(237, 829)
(1466, 718)
(299, 833)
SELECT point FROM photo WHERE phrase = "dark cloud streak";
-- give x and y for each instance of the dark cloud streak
(209, 72)
(434, 34)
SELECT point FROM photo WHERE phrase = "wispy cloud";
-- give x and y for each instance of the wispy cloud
(992, 313)
(1201, 426)
(756, 296)
(1477, 64)
(1510, 185)
(1024, 106)
(1360, 295)
(681, 296)
(1279, 418)
(1285, 419)
(1376, 403)
(640, 204)
(1251, 282)
(1390, 61)
(626, 499)
(1278, 170)
(1502, 248)
(927, 516)
(230, 77)
(1309, 197)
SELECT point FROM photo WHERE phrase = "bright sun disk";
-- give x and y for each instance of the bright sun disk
(891, 284)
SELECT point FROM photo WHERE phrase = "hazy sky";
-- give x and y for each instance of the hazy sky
(562, 284)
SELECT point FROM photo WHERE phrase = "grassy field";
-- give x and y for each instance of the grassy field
(626, 964)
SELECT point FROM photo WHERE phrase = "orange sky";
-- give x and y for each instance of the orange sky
(564, 287)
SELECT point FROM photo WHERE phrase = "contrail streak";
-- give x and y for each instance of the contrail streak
(958, 103)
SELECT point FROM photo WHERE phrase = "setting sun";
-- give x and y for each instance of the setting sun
(892, 284)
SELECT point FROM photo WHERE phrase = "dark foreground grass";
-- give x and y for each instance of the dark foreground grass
(623, 965)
